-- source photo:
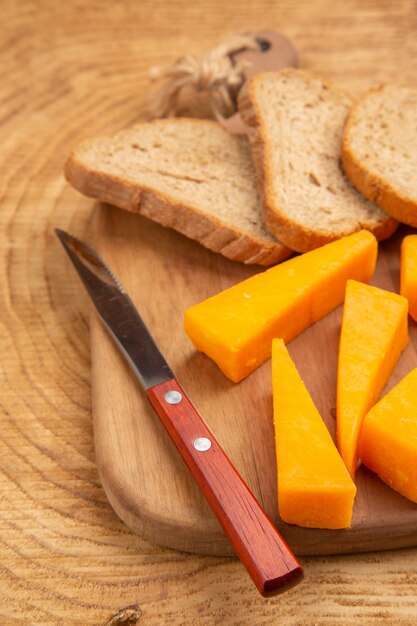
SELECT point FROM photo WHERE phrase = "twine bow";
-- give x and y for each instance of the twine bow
(216, 73)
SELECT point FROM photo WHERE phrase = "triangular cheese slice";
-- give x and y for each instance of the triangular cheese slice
(314, 487)
(374, 332)
(236, 327)
(388, 442)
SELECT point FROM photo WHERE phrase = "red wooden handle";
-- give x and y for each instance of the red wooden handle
(262, 550)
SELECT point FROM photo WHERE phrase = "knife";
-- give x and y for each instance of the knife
(262, 550)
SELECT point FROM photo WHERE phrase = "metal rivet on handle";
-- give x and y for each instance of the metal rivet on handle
(173, 397)
(202, 444)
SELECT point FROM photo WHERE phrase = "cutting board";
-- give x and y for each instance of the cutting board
(143, 476)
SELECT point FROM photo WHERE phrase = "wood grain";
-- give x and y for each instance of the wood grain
(69, 71)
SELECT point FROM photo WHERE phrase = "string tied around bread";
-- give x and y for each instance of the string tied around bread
(216, 73)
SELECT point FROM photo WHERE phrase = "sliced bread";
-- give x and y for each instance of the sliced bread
(295, 121)
(380, 149)
(190, 175)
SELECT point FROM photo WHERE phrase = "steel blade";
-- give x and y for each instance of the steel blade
(117, 312)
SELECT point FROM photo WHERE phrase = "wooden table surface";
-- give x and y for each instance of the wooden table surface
(69, 71)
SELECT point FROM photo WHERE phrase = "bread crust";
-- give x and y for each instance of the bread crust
(295, 235)
(374, 187)
(231, 242)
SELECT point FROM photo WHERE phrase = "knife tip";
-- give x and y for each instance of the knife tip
(61, 234)
(67, 240)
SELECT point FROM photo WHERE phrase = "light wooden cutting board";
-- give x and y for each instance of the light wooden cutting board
(144, 478)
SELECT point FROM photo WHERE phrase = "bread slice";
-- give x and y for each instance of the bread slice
(190, 175)
(296, 122)
(380, 149)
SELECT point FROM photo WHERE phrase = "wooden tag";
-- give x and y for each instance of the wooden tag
(276, 53)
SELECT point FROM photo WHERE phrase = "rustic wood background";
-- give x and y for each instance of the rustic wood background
(68, 71)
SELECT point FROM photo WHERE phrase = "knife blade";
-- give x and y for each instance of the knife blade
(267, 558)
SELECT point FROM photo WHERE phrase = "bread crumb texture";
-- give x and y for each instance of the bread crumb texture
(190, 175)
(380, 149)
(296, 123)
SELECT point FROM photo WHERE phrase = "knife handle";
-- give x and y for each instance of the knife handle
(262, 550)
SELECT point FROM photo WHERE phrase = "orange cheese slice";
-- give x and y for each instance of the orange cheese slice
(408, 274)
(374, 332)
(388, 443)
(314, 486)
(235, 327)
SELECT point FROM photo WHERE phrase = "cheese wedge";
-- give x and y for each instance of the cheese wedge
(374, 332)
(235, 327)
(408, 273)
(388, 443)
(314, 486)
